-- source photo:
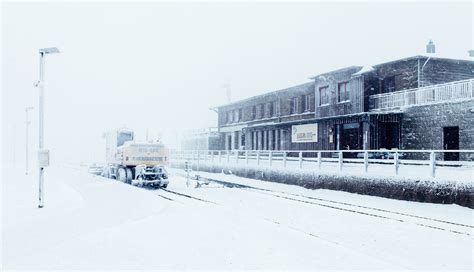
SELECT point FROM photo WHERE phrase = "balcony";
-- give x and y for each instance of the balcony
(452, 91)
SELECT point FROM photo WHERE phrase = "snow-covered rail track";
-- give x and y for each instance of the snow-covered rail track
(170, 194)
(187, 196)
(443, 225)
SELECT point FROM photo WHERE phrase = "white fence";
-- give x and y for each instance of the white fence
(452, 91)
(339, 160)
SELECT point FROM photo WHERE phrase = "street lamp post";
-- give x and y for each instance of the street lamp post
(43, 155)
(27, 124)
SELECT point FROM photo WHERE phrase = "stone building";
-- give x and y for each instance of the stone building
(419, 102)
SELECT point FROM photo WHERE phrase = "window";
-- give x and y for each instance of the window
(307, 102)
(388, 84)
(275, 108)
(342, 92)
(271, 109)
(229, 116)
(254, 112)
(124, 136)
(262, 110)
(324, 96)
(294, 105)
(236, 116)
(240, 115)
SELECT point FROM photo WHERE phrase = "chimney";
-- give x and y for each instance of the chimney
(430, 47)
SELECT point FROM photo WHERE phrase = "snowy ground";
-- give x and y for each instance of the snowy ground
(91, 222)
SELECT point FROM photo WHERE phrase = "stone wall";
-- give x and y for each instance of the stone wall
(422, 126)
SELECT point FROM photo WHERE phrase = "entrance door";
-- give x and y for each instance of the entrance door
(229, 142)
(350, 139)
(451, 142)
(389, 135)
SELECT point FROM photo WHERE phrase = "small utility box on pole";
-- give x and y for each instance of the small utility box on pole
(43, 158)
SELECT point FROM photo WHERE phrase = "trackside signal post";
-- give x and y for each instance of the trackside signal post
(43, 155)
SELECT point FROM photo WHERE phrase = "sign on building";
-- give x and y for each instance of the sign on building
(304, 133)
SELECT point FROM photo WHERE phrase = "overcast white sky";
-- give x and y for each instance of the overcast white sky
(163, 65)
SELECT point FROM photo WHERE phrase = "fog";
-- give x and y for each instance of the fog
(160, 66)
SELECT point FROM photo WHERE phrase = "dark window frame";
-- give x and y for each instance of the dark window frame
(343, 97)
(271, 109)
(254, 112)
(326, 95)
(306, 102)
(294, 105)
(276, 108)
(389, 84)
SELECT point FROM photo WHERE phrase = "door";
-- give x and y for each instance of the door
(389, 134)
(451, 142)
(229, 142)
(350, 139)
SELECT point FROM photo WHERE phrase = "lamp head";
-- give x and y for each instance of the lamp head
(49, 50)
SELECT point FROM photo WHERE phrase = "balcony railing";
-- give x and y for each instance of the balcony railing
(451, 91)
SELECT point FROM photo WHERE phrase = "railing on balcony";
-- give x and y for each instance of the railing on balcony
(451, 91)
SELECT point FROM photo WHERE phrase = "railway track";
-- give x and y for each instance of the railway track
(171, 195)
(442, 225)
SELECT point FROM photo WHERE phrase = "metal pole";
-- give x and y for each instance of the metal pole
(40, 146)
(27, 124)
(198, 159)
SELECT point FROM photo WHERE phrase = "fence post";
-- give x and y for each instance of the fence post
(219, 154)
(432, 164)
(246, 157)
(396, 162)
(258, 157)
(228, 155)
(212, 156)
(237, 156)
(366, 161)
(301, 159)
(340, 160)
(320, 158)
(270, 158)
(284, 159)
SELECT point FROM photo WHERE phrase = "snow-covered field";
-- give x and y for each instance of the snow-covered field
(91, 222)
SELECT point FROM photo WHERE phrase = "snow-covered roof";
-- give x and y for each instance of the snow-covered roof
(336, 71)
(371, 67)
(432, 56)
(365, 69)
(297, 88)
